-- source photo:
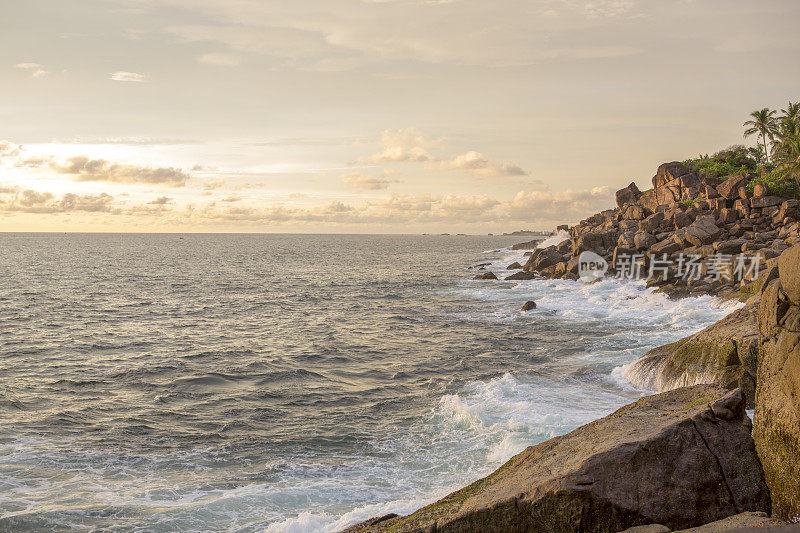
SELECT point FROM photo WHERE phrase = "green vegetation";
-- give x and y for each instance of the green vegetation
(732, 160)
(688, 203)
(775, 159)
(777, 184)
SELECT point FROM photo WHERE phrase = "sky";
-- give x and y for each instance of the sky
(368, 116)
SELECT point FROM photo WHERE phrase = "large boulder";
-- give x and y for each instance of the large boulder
(777, 415)
(543, 258)
(729, 189)
(789, 268)
(669, 172)
(724, 354)
(682, 458)
(643, 240)
(702, 231)
(628, 195)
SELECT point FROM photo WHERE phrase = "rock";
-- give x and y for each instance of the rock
(744, 194)
(514, 266)
(669, 172)
(520, 276)
(729, 189)
(665, 459)
(724, 354)
(543, 258)
(563, 227)
(652, 223)
(711, 192)
(633, 212)
(529, 305)
(666, 246)
(650, 528)
(765, 201)
(530, 245)
(789, 269)
(739, 523)
(626, 239)
(733, 246)
(366, 524)
(682, 220)
(643, 241)
(760, 190)
(702, 231)
(598, 242)
(628, 195)
(486, 275)
(777, 415)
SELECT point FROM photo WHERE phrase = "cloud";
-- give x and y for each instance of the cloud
(35, 69)
(19, 200)
(406, 145)
(8, 149)
(357, 180)
(221, 60)
(122, 75)
(554, 206)
(481, 167)
(81, 168)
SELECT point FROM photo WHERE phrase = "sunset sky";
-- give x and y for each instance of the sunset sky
(368, 115)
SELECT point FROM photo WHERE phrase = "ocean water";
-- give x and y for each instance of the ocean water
(290, 382)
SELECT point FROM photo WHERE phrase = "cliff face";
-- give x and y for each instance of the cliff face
(682, 458)
(777, 415)
(723, 354)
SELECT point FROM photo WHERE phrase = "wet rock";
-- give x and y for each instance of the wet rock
(615, 473)
(724, 354)
(521, 276)
(486, 275)
(514, 266)
(529, 305)
(777, 415)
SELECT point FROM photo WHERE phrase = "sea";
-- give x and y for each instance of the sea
(291, 383)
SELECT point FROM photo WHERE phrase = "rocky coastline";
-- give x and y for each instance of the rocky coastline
(689, 456)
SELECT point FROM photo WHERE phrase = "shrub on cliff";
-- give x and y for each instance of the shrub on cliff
(732, 160)
(778, 183)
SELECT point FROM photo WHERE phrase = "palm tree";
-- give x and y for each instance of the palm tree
(786, 149)
(792, 111)
(763, 123)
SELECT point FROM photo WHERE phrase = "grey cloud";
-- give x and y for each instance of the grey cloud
(81, 168)
(19, 200)
(481, 167)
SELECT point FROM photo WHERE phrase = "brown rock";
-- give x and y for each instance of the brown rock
(643, 241)
(777, 415)
(789, 269)
(665, 459)
(723, 354)
(702, 231)
(628, 195)
(520, 276)
(669, 172)
(765, 201)
(729, 189)
(486, 275)
(527, 306)
(514, 266)
(760, 190)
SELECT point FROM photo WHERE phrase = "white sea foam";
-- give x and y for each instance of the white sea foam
(555, 240)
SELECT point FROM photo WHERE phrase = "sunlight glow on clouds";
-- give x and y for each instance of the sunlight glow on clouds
(122, 75)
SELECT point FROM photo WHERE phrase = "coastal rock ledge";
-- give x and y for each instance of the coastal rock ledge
(682, 458)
